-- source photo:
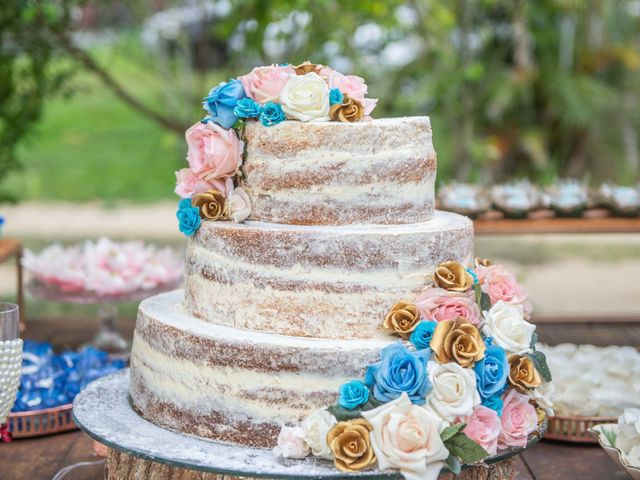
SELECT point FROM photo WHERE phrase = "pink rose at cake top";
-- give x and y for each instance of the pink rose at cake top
(328, 309)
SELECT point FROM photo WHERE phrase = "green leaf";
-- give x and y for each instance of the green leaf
(611, 436)
(343, 414)
(465, 449)
(540, 363)
(478, 291)
(534, 340)
(454, 464)
(485, 302)
(449, 432)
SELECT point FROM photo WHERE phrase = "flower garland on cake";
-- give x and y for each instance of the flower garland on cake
(210, 187)
(463, 382)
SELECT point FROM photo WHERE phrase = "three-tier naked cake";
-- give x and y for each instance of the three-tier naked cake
(314, 247)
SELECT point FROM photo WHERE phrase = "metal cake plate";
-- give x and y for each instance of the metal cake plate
(103, 411)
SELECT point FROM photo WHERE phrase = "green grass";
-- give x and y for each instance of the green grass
(92, 146)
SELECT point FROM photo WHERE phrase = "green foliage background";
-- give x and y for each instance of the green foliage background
(538, 89)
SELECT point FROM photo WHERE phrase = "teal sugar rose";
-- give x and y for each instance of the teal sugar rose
(353, 394)
(495, 403)
(271, 114)
(399, 371)
(421, 336)
(247, 108)
(221, 102)
(188, 217)
(492, 371)
(335, 96)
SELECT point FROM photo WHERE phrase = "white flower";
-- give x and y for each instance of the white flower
(633, 457)
(306, 98)
(407, 437)
(506, 324)
(629, 434)
(454, 391)
(543, 396)
(239, 205)
(316, 426)
(292, 443)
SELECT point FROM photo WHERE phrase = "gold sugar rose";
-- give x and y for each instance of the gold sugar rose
(402, 318)
(457, 341)
(452, 276)
(350, 443)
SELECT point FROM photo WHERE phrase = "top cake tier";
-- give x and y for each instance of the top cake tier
(331, 173)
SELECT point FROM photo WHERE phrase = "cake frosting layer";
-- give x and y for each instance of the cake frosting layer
(332, 173)
(232, 385)
(316, 281)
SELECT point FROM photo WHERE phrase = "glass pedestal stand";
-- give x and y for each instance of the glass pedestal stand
(138, 448)
(107, 338)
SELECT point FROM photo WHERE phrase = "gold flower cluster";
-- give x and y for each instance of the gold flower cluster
(457, 341)
(452, 276)
(402, 318)
(212, 204)
(350, 110)
(350, 443)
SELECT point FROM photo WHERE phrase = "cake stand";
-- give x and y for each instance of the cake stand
(107, 338)
(140, 449)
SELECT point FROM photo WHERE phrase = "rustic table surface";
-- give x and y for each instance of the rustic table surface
(42, 458)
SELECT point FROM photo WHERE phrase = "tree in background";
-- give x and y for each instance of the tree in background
(538, 89)
(27, 75)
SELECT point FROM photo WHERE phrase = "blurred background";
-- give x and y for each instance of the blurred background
(95, 97)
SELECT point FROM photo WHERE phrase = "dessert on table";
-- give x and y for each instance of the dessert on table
(329, 310)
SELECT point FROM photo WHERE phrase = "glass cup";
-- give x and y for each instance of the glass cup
(10, 357)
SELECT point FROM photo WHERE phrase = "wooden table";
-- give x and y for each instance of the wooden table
(509, 226)
(10, 247)
(40, 459)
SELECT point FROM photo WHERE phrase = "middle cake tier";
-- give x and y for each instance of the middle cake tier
(316, 281)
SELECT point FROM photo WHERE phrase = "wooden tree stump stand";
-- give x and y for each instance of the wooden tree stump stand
(124, 466)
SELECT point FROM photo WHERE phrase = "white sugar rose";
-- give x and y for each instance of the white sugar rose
(506, 324)
(239, 205)
(407, 437)
(629, 425)
(292, 443)
(633, 457)
(543, 396)
(454, 391)
(316, 426)
(306, 98)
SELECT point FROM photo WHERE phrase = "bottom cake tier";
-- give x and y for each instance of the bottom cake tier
(231, 385)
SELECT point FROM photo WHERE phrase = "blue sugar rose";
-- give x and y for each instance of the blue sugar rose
(221, 102)
(492, 371)
(335, 96)
(398, 371)
(271, 114)
(421, 336)
(188, 217)
(494, 403)
(247, 108)
(353, 394)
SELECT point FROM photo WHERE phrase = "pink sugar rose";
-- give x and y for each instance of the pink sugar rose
(439, 304)
(292, 443)
(500, 284)
(483, 427)
(214, 153)
(264, 84)
(189, 184)
(519, 420)
(352, 85)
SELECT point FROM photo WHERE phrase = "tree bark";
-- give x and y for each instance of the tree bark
(109, 81)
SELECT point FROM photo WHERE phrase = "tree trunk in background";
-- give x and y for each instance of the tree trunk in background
(463, 154)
